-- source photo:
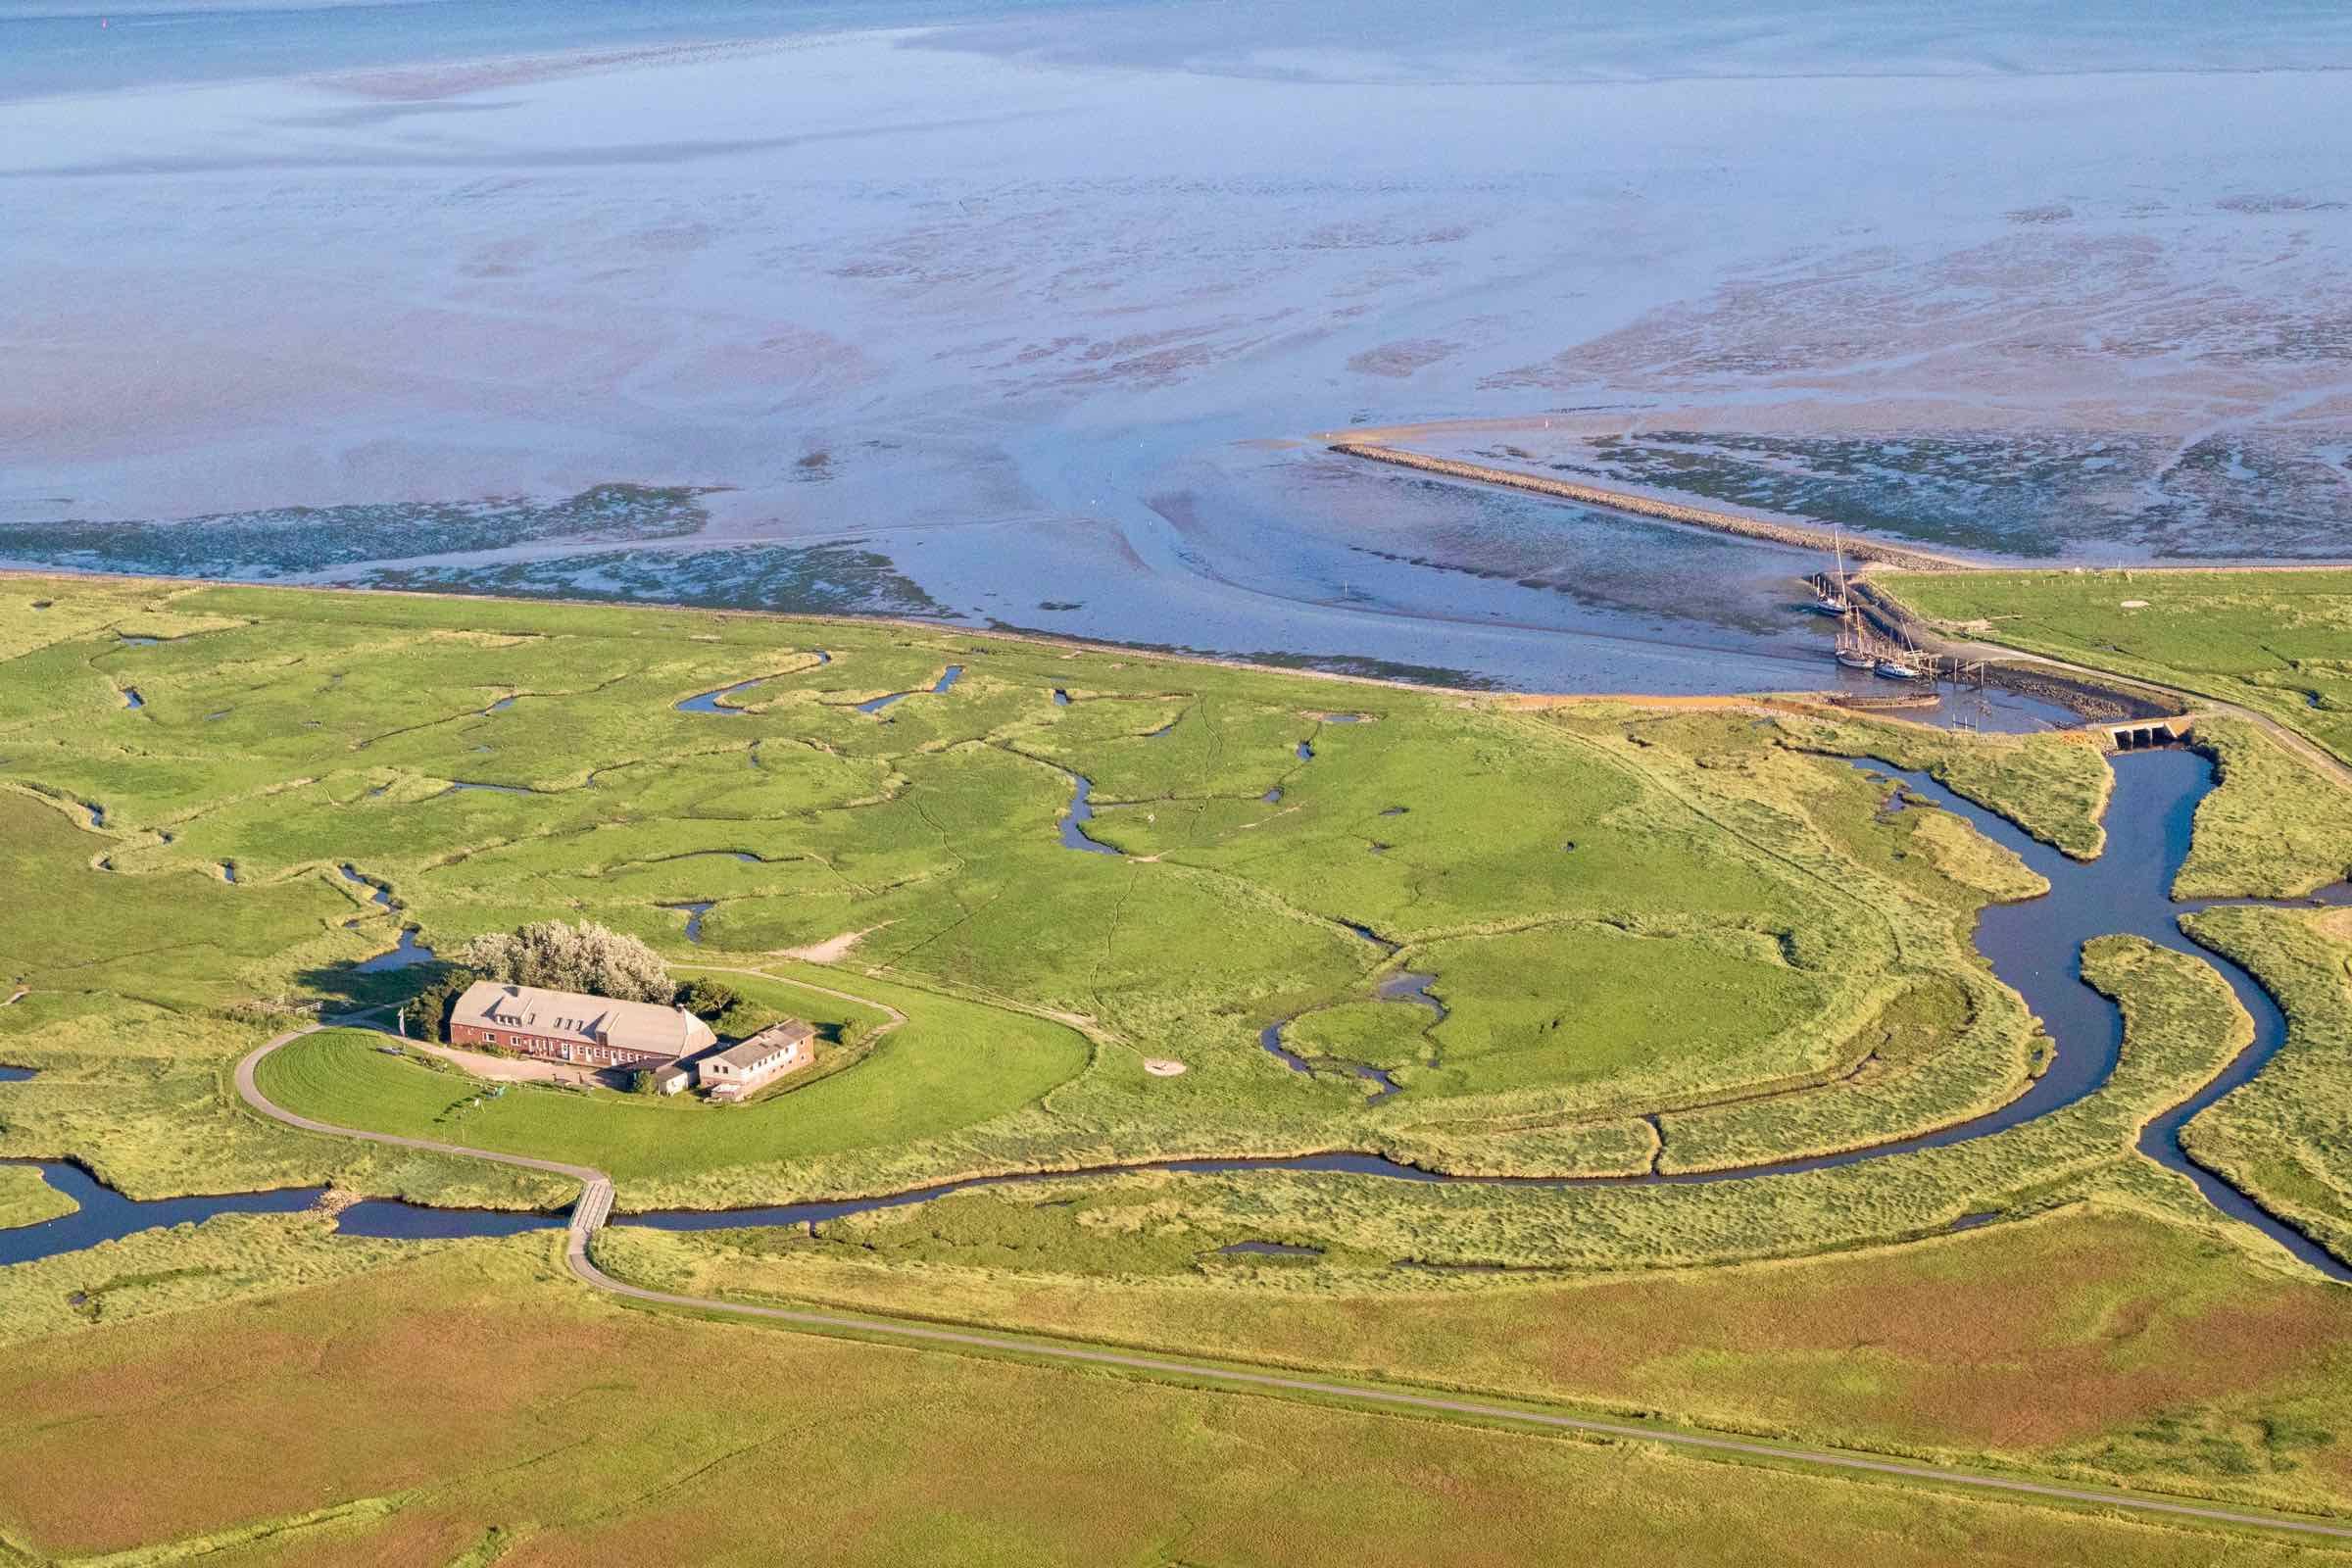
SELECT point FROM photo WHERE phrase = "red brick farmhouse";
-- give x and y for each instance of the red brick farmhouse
(567, 1026)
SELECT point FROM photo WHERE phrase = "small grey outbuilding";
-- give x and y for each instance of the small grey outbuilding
(736, 1071)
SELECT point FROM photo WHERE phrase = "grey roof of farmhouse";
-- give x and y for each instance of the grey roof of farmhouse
(569, 1015)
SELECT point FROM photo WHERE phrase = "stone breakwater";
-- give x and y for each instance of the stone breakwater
(1641, 506)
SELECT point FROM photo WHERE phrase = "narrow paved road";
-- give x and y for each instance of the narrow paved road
(595, 1206)
(250, 1091)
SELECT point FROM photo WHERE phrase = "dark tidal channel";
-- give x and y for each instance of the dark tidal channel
(106, 1214)
(2035, 947)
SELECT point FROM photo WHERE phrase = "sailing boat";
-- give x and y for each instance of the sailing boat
(1831, 598)
(1856, 648)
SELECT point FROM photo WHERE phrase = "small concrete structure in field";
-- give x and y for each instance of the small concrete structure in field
(671, 1077)
(773, 1052)
(594, 1031)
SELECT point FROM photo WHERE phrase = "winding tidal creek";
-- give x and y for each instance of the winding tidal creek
(2034, 945)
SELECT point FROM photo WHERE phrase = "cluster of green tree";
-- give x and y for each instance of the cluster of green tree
(427, 1012)
(586, 957)
(708, 1000)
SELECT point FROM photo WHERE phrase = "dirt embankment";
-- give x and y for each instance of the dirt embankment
(1784, 533)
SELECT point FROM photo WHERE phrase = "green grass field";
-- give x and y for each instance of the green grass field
(2273, 827)
(1561, 872)
(26, 1199)
(953, 1065)
(2279, 642)
(2183, 1022)
(2283, 1136)
(1690, 924)
(2095, 1341)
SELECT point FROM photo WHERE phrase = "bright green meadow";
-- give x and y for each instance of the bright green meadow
(1636, 921)
(1659, 937)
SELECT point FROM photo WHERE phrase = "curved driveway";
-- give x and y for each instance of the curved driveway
(595, 1204)
(588, 1211)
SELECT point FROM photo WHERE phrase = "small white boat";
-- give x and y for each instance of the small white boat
(1900, 660)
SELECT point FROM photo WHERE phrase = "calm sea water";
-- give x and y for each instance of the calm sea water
(85, 45)
(47, 48)
(1030, 311)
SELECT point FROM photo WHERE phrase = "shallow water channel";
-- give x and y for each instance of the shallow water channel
(2034, 947)
(1405, 986)
(408, 951)
(106, 1214)
(1082, 812)
(708, 701)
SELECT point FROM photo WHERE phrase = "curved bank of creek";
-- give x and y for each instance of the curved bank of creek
(2035, 947)
(1082, 812)
(105, 1215)
(406, 951)
(1404, 985)
(708, 701)
(875, 705)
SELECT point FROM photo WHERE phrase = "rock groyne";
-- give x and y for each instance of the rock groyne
(1802, 536)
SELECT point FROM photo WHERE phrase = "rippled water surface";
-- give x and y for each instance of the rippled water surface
(1043, 313)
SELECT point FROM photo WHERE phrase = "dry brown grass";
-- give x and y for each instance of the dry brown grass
(404, 1416)
(2022, 1339)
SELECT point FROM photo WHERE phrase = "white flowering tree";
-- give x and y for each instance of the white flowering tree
(584, 958)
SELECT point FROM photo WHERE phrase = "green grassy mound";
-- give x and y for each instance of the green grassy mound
(952, 1066)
